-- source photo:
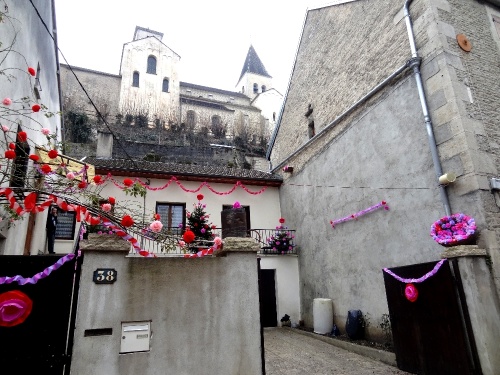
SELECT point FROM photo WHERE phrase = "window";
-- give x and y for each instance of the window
(135, 79)
(20, 163)
(255, 88)
(151, 65)
(263, 88)
(38, 87)
(66, 221)
(216, 120)
(191, 118)
(247, 212)
(274, 116)
(172, 215)
(164, 86)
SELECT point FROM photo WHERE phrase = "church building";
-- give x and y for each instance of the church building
(148, 92)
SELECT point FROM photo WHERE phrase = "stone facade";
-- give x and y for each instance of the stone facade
(156, 94)
(380, 149)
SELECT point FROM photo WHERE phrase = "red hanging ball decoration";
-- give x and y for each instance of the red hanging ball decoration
(411, 292)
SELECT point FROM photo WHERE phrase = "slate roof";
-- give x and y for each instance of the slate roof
(206, 88)
(205, 104)
(253, 64)
(191, 172)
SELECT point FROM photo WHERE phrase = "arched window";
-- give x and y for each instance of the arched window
(164, 86)
(255, 88)
(151, 65)
(135, 79)
(191, 118)
(263, 88)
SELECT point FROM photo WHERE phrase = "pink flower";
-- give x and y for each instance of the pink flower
(217, 241)
(5, 128)
(70, 176)
(182, 243)
(45, 131)
(156, 226)
(106, 207)
(7, 101)
(236, 204)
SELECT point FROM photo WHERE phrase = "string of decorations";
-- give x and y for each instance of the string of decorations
(39, 276)
(174, 179)
(127, 237)
(356, 215)
(411, 291)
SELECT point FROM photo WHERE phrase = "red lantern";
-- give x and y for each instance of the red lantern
(53, 154)
(127, 221)
(188, 236)
(22, 136)
(9, 154)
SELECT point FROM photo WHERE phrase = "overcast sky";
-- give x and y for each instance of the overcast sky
(212, 37)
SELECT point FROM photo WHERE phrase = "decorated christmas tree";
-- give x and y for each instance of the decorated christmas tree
(197, 221)
(282, 240)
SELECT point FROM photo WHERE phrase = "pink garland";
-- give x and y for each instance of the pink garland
(360, 213)
(127, 237)
(420, 279)
(174, 179)
(40, 275)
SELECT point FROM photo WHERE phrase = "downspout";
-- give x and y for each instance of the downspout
(415, 65)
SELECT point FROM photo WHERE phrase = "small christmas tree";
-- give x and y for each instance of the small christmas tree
(197, 221)
(282, 240)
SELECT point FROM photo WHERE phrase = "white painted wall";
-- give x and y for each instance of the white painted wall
(33, 45)
(287, 284)
(264, 208)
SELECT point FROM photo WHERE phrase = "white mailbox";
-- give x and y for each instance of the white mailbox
(135, 337)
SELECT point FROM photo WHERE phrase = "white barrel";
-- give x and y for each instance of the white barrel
(323, 315)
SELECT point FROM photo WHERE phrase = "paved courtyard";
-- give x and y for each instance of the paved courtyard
(291, 353)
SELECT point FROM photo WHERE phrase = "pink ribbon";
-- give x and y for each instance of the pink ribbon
(39, 276)
(360, 213)
(174, 179)
(420, 279)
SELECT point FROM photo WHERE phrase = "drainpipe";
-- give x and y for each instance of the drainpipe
(415, 65)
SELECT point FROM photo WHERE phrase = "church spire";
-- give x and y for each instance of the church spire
(253, 64)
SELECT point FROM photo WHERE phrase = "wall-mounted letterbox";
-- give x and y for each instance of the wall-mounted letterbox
(135, 337)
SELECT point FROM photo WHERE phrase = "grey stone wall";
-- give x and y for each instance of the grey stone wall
(345, 50)
(204, 315)
(102, 88)
(381, 150)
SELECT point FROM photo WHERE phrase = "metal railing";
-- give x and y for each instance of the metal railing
(166, 242)
(264, 238)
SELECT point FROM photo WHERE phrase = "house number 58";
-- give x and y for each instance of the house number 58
(104, 276)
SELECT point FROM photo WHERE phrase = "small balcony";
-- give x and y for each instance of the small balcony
(271, 241)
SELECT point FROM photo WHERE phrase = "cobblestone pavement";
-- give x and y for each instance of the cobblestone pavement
(290, 353)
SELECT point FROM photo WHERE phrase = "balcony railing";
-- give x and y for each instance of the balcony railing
(166, 243)
(264, 238)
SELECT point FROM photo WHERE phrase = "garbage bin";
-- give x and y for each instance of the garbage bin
(323, 315)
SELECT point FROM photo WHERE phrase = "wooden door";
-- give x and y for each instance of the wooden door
(429, 334)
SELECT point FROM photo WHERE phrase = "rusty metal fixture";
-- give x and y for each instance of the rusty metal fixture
(464, 43)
